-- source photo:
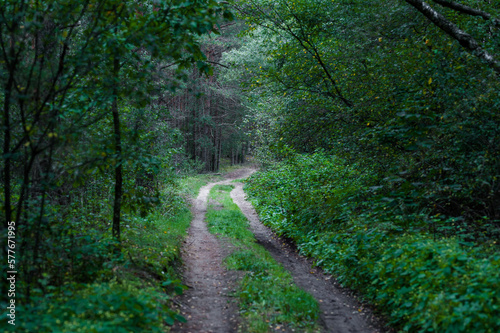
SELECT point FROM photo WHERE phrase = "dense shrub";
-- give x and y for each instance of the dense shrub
(101, 308)
(421, 279)
(312, 189)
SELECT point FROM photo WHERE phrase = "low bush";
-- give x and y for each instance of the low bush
(422, 280)
(101, 307)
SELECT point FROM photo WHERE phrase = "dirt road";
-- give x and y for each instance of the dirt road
(208, 305)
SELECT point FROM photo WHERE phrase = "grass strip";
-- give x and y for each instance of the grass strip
(267, 294)
(190, 185)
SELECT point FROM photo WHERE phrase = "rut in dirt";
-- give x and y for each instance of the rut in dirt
(340, 312)
(208, 305)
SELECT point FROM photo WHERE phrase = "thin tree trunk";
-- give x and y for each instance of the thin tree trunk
(193, 134)
(6, 151)
(38, 231)
(220, 150)
(7, 171)
(118, 149)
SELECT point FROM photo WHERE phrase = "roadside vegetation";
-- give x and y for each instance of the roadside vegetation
(126, 293)
(424, 274)
(375, 124)
(267, 295)
(104, 109)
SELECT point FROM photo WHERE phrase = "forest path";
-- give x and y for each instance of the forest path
(208, 306)
(340, 311)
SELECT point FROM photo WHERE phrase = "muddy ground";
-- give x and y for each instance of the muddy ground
(208, 305)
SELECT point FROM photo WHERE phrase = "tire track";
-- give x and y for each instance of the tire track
(206, 304)
(340, 313)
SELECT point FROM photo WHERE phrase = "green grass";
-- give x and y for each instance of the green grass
(225, 164)
(154, 242)
(191, 185)
(267, 294)
(240, 180)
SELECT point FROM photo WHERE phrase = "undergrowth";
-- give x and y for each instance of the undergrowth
(267, 294)
(126, 293)
(423, 278)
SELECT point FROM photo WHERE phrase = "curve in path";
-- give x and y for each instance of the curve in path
(207, 304)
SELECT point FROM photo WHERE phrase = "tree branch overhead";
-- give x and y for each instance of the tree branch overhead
(452, 30)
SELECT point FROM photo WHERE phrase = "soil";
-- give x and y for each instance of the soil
(208, 305)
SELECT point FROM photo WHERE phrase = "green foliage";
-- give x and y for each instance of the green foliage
(267, 293)
(330, 183)
(422, 280)
(406, 179)
(422, 283)
(85, 288)
(154, 243)
(374, 83)
(68, 71)
(99, 308)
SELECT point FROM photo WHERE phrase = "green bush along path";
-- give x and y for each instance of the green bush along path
(423, 281)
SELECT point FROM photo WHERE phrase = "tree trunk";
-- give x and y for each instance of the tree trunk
(6, 151)
(118, 150)
(220, 150)
(7, 171)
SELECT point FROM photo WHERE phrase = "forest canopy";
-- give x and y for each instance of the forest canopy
(382, 85)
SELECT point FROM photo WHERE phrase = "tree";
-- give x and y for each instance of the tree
(466, 40)
(69, 70)
(208, 110)
(378, 85)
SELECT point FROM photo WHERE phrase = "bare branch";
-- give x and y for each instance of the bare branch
(169, 65)
(216, 63)
(468, 10)
(466, 40)
(226, 25)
